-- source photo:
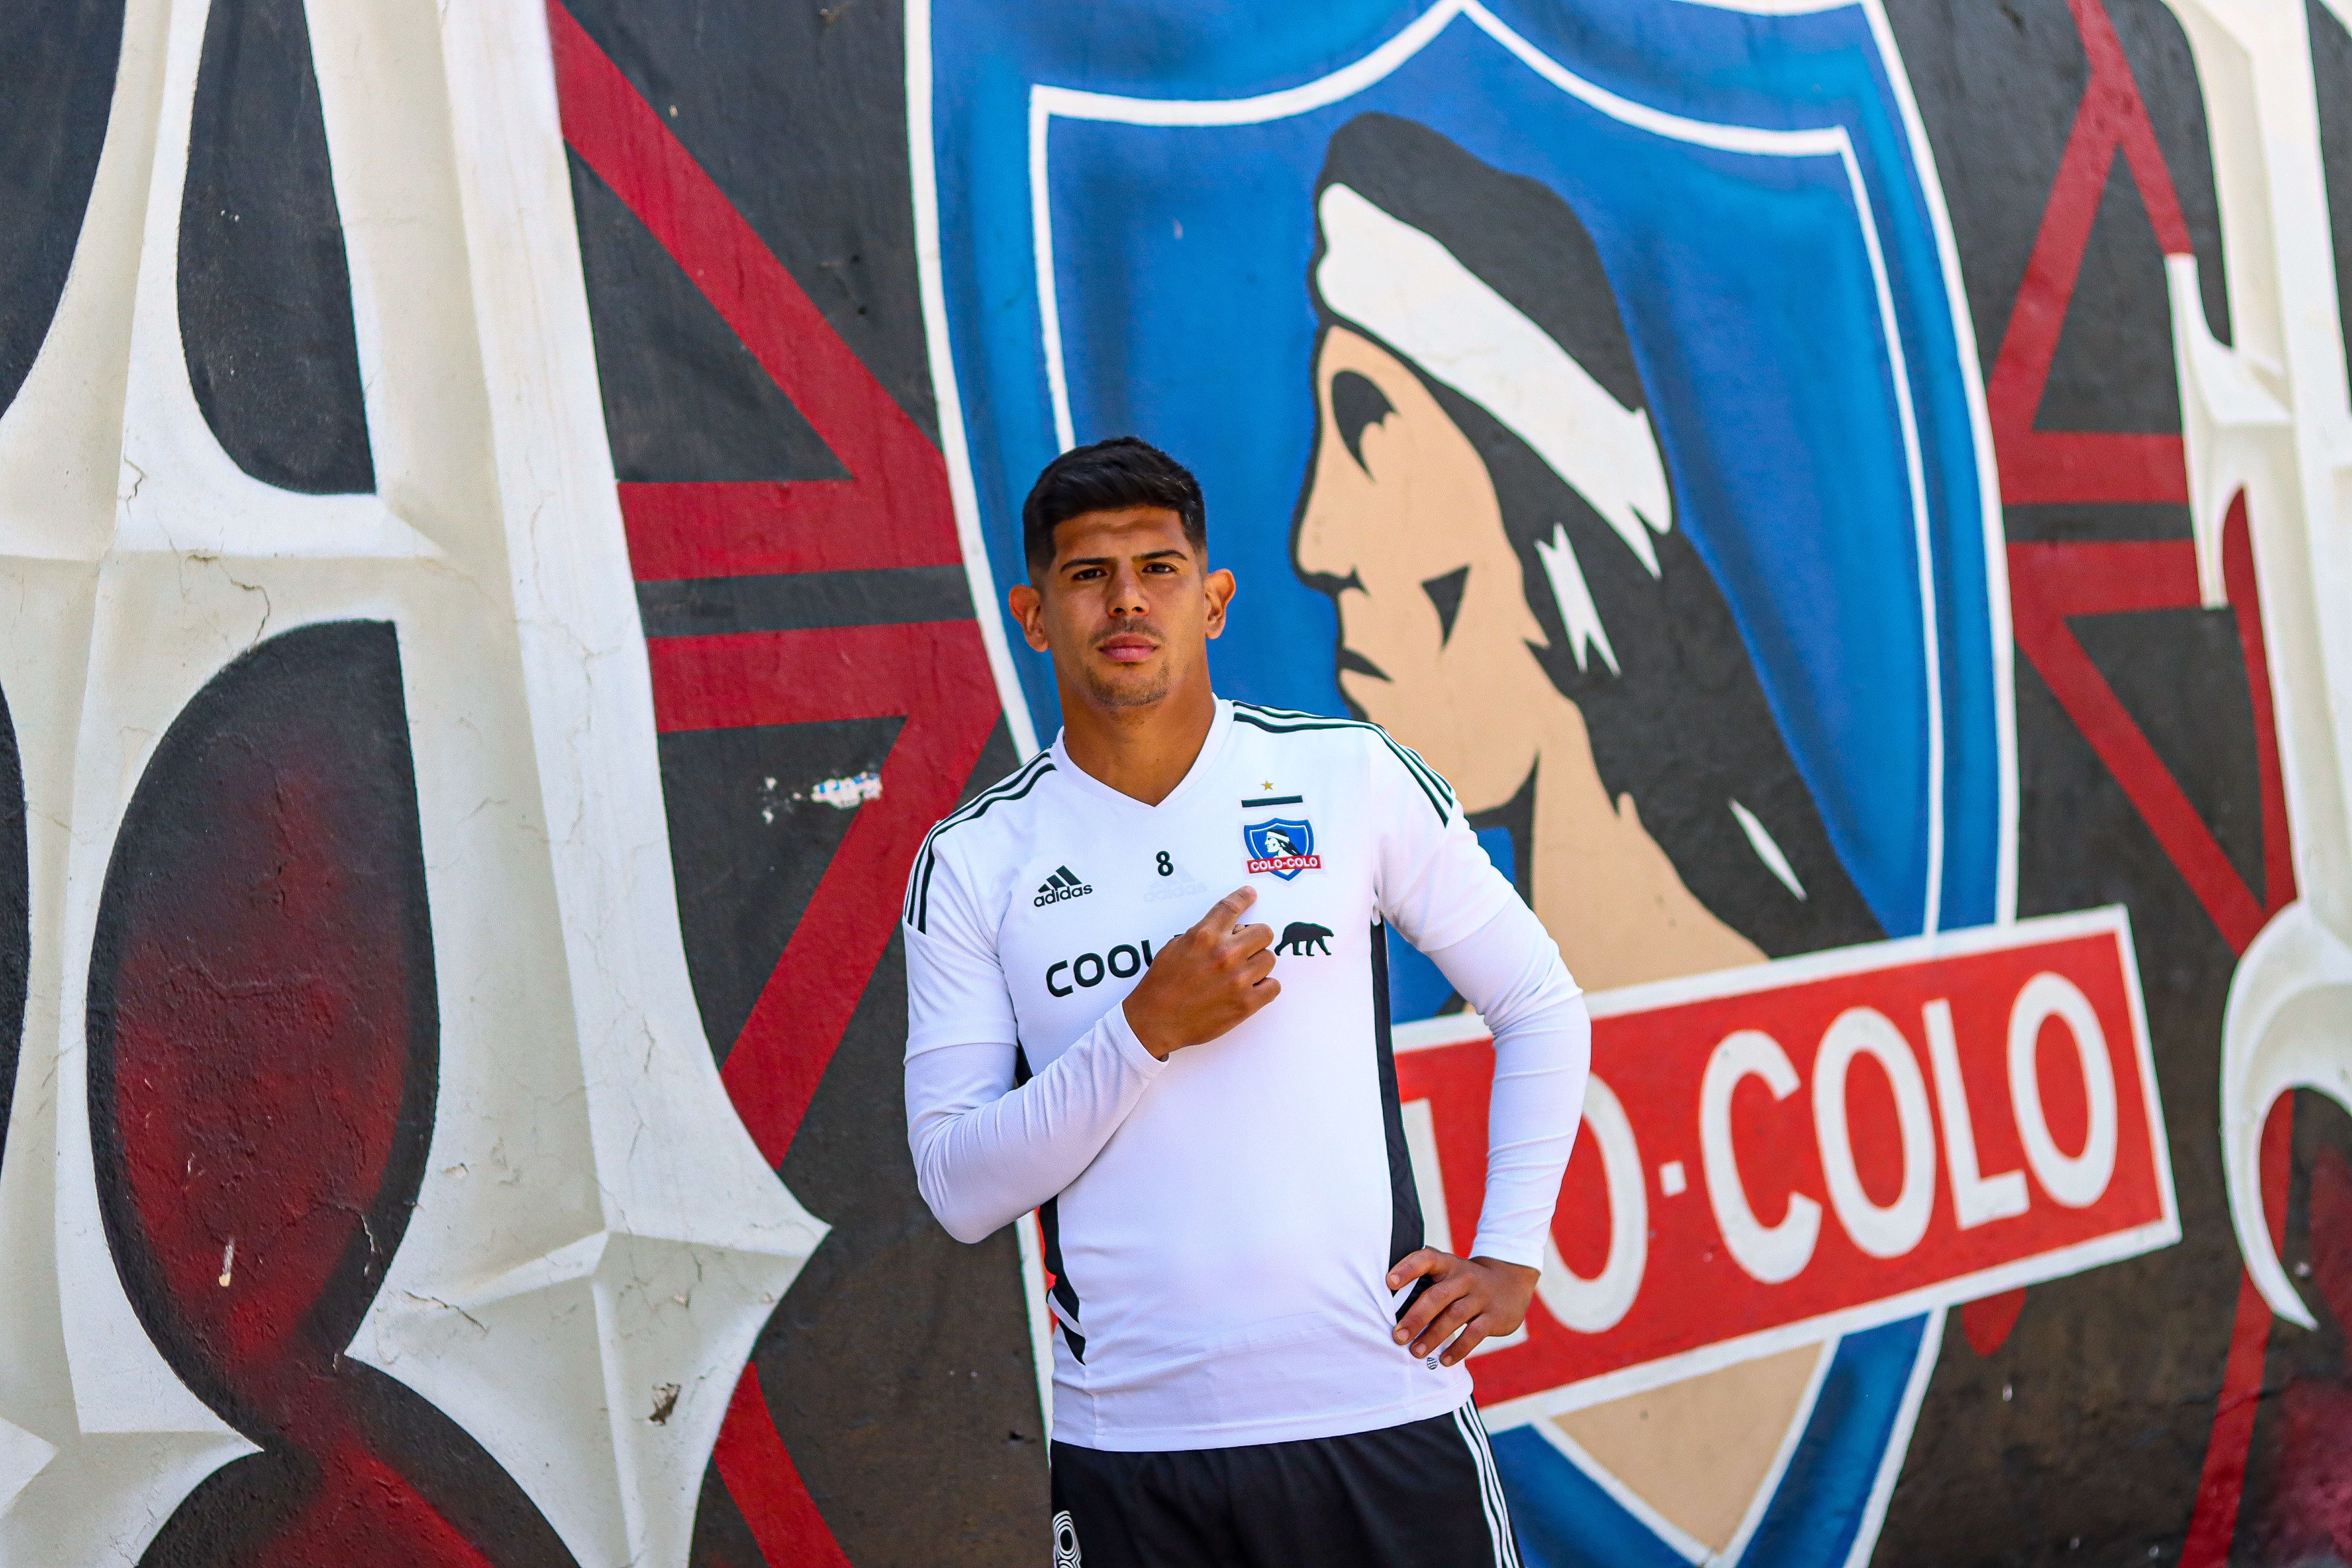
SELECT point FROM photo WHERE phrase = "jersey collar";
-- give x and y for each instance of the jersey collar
(1212, 748)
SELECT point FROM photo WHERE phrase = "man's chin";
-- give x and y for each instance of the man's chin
(1128, 685)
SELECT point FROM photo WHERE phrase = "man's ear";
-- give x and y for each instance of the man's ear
(1028, 607)
(1219, 585)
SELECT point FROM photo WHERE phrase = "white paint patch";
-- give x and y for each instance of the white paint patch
(1767, 849)
(848, 793)
(1578, 614)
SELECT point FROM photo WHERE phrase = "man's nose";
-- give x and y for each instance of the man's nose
(1127, 596)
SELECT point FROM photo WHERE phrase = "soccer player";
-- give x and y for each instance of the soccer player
(1258, 1363)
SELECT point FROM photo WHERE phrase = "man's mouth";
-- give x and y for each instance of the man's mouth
(1350, 660)
(1127, 648)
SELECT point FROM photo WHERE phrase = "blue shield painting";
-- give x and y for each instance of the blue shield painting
(1585, 394)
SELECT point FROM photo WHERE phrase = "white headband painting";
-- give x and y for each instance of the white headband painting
(1408, 290)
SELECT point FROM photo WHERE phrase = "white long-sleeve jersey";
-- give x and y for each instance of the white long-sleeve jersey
(1220, 1225)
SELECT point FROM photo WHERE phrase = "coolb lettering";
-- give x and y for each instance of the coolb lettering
(1088, 970)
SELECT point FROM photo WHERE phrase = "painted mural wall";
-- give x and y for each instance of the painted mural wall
(503, 514)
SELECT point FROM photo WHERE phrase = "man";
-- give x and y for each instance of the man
(1258, 1362)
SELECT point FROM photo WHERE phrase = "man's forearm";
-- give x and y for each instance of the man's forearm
(1541, 1063)
(1510, 971)
(984, 1156)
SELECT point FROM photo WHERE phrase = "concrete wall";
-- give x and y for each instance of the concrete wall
(502, 518)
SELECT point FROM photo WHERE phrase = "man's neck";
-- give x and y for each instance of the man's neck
(1142, 752)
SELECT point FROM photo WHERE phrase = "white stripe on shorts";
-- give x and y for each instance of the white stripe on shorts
(1490, 1487)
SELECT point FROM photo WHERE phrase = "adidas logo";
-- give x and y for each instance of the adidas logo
(1062, 886)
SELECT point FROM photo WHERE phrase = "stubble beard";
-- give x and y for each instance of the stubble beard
(1126, 686)
(1143, 691)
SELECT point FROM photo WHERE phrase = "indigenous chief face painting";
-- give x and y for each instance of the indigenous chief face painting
(1489, 506)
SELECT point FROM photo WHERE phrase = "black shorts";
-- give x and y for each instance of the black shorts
(1423, 1495)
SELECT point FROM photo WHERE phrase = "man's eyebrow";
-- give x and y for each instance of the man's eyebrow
(1077, 561)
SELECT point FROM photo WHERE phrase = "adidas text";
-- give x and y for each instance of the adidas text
(1060, 887)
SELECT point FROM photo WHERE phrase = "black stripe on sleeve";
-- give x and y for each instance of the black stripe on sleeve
(1405, 1233)
(1065, 1294)
(1274, 722)
(917, 908)
(1049, 1226)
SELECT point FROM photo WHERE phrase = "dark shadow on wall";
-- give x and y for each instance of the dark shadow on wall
(264, 286)
(15, 917)
(2331, 69)
(57, 87)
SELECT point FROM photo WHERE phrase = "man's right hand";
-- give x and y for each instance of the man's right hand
(1206, 980)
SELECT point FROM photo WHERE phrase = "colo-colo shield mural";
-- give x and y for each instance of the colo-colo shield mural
(1591, 397)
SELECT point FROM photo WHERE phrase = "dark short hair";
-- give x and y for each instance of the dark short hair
(1109, 476)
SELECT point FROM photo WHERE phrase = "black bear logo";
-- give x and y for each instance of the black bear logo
(1299, 936)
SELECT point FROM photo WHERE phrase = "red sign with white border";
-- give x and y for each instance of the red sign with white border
(1774, 1154)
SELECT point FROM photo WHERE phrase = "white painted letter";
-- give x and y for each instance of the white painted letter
(1975, 1198)
(1892, 1231)
(1593, 1306)
(1770, 1253)
(2081, 1180)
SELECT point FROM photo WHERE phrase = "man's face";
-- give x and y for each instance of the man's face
(1408, 538)
(1127, 607)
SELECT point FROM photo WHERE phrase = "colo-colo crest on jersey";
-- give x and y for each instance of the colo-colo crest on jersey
(1282, 845)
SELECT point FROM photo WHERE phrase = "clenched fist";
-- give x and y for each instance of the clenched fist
(1206, 980)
